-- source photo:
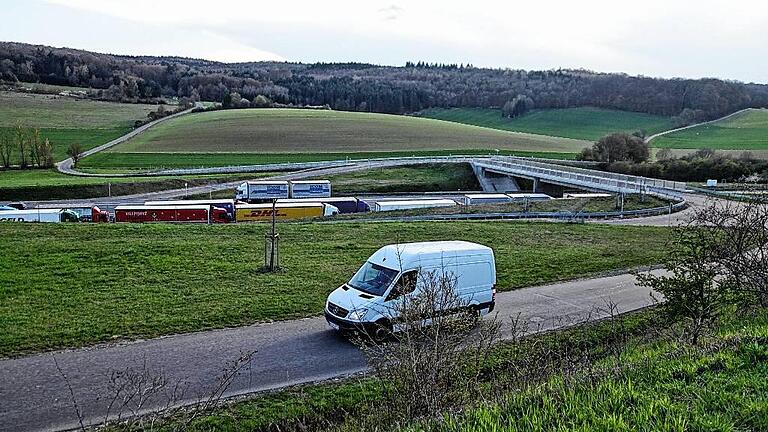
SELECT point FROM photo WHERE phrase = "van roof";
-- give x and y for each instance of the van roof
(397, 255)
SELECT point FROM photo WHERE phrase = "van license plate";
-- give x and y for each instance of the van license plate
(333, 326)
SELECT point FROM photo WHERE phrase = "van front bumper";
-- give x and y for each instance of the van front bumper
(342, 324)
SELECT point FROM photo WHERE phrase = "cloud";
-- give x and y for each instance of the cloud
(391, 12)
(656, 37)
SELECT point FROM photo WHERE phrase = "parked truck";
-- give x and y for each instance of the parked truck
(412, 204)
(226, 204)
(86, 212)
(283, 211)
(310, 188)
(344, 204)
(262, 191)
(38, 215)
(172, 213)
(494, 198)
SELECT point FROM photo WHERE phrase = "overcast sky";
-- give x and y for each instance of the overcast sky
(668, 38)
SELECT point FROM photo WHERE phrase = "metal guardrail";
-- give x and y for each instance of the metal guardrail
(587, 178)
(731, 195)
(646, 181)
(296, 166)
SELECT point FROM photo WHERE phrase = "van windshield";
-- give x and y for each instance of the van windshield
(373, 279)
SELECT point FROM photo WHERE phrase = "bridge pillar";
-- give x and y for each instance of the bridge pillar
(550, 189)
(494, 182)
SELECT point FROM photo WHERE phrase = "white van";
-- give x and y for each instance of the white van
(367, 301)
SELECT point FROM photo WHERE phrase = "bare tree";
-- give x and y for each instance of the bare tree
(143, 398)
(34, 143)
(740, 230)
(6, 149)
(75, 151)
(20, 135)
(434, 360)
(46, 154)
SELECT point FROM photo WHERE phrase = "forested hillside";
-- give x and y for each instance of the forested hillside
(364, 87)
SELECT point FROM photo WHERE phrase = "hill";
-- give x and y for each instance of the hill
(366, 87)
(246, 135)
(64, 120)
(585, 123)
(744, 131)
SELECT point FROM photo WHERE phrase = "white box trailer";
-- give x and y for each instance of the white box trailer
(310, 188)
(529, 196)
(475, 199)
(38, 215)
(412, 204)
(262, 190)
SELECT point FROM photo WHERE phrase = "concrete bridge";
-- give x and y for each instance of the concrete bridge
(501, 174)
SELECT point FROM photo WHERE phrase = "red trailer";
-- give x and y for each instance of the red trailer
(191, 214)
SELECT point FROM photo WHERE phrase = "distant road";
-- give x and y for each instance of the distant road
(34, 395)
(654, 136)
(66, 166)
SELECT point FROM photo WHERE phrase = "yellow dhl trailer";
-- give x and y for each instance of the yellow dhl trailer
(263, 212)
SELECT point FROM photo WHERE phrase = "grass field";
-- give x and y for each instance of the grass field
(579, 123)
(64, 120)
(745, 131)
(417, 178)
(153, 161)
(319, 131)
(37, 185)
(72, 285)
(656, 384)
(53, 89)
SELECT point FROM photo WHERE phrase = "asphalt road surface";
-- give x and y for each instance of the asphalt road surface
(34, 394)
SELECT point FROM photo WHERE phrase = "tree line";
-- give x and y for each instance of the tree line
(630, 154)
(366, 87)
(27, 146)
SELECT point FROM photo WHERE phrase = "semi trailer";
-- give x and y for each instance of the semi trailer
(174, 213)
(475, 199)
(310, 188)
(262, 191)
(344, 204)
(38, 215)
(283, 211)
(226, 204)
(411, 204)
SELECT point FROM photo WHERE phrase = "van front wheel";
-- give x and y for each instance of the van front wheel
(382, 330)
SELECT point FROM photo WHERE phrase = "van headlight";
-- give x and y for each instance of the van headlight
(358, 314)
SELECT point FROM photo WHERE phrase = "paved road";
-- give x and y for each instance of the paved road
(66, 166)
(34, 395)
(666, 132)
